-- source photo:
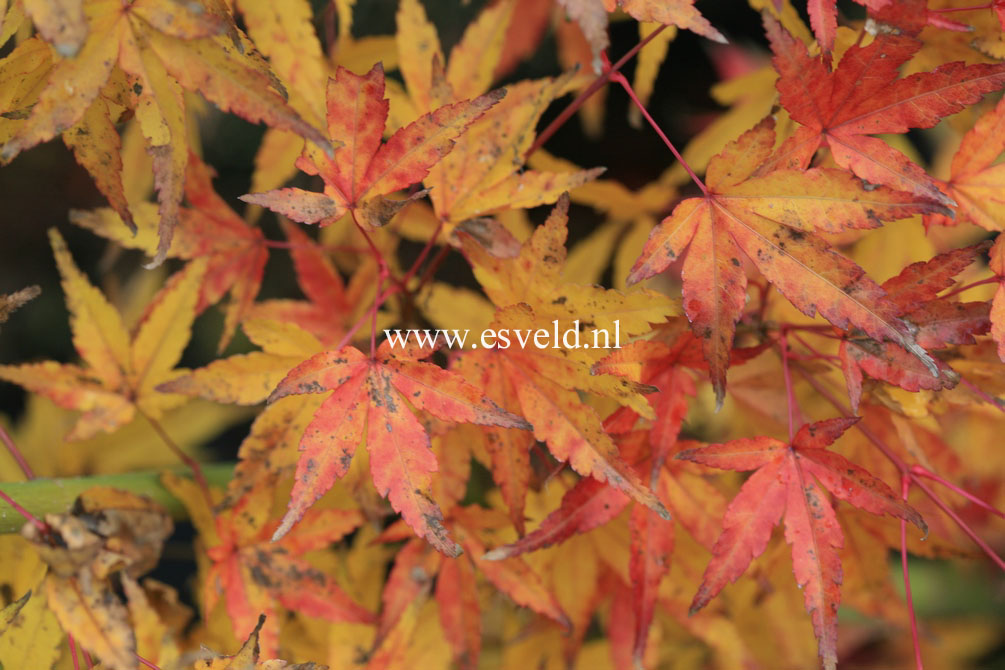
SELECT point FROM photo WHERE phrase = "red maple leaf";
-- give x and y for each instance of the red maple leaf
(363, 169)
(937, 322)
(863, 96)
(786, 483)
(369, 399)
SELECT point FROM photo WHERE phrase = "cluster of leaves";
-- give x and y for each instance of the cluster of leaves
(818, 257)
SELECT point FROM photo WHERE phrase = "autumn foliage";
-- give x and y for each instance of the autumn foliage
(803, 320)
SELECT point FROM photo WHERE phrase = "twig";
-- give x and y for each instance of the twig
(905, 487)
(922, 471)
(16, 454)
(145, 662)
(906, 470)
(982, 282)
(194, 466)
(587, 92)
(73, 651)
(620, 79)
(31, 518)
(790, 397)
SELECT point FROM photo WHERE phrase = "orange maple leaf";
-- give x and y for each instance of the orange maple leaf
(936, 323)
(235, 252)
(864, 97)
(976, 182)
(253, 574)
(369, 399)
(363, 170)
(771, 219)
(783, 486)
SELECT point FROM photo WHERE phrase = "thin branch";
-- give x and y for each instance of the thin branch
(986, 397)
(193, 465)
(145, 662)
(790, 397)
(905, 487)
(906, 470)
(587, 92)
(73, 651)
(982, 282)
(960, 522)
(31, 518)
(16, 454)
(922, 471)
(620, 79)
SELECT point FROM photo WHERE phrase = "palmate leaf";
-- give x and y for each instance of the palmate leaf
(235, 252)
(936, 323)
(771, 219)
(863, 96)
(363, 169)
(541, 383)
(977, 181)
(483, 174)
(252, 574)
(369, 400)
(121, 370)
(783, 486)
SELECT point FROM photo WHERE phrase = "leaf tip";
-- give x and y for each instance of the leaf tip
(662, 511)
(289, 520)
(720, 398)
(497, 554)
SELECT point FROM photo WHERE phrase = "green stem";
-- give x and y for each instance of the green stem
(55, 496)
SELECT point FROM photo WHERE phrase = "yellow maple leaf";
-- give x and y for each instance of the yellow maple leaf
(121, 371)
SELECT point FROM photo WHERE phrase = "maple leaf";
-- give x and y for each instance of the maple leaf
(121, 371)
(235, 253)
(93, 139)
(935, 322)
(976, 182)
(248, 379)
(254, 574)
(286, 34)
(30, 633)
(363, 170)
(107, 532)
(864, 97)
(771, 219)
(416, 566)
(542, 381)
(483, 174)
(369, 399)
(161, 47)
(783, 486)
